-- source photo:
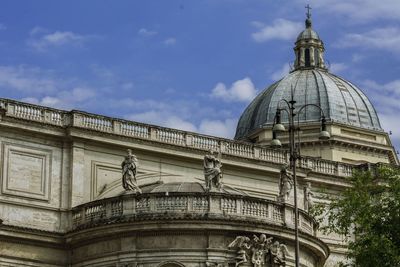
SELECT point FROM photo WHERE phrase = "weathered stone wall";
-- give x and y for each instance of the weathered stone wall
(48, 167)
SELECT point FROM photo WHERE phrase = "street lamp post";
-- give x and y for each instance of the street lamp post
(278, 127)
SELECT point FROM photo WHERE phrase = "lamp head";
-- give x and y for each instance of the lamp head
(276, 143)
(278, 128)
(324, 134)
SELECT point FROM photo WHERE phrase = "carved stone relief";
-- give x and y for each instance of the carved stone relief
(259, 251)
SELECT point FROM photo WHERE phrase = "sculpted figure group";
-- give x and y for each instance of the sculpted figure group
(260, 251)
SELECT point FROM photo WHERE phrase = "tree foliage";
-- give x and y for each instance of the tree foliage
(369, 211)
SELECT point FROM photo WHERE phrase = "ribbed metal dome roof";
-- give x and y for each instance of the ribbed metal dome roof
(308, 33)
(340, 100)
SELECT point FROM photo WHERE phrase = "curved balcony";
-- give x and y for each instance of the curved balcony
(189, 206)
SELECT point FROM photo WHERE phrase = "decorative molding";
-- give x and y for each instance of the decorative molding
(103, 174)
(26, 172)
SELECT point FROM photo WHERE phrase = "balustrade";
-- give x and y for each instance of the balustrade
(170, 136)
(239, 149)
(206, 143)
(136, 130)
(96, 123)
(228, 207)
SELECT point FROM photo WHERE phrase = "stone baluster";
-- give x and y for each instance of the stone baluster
(189, 140)
(270, 211)
(116, 127)
(128, 205)
(153, 133)
(288, 215)
(83, 215)
(239, 206)
(256, 152)
(214, 204)
(223, 147)
(77, 120)
(108, 209)
(152, 203)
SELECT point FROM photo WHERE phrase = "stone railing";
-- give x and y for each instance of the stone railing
(175, 137)
(161, 206)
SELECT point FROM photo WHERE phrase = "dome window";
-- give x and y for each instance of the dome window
(307, 57)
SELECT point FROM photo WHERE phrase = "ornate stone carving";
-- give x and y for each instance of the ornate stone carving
(129, 167)
(243, 244)
(212, 171)
(264, 252)
(308, 197)
(285, 184)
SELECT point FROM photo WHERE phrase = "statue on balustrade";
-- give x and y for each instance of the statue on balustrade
(129, 168)
(308, 197)
(212, 171)
(285, 184)
(264, 252)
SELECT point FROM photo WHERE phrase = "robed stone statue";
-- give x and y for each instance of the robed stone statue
(212, 171)
(129, 168)
(285, 184)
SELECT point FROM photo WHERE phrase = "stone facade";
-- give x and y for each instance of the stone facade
(63, 204)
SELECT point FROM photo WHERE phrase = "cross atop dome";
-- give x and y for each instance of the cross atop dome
(308, 14)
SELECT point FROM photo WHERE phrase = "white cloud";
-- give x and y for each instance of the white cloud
(170, 41)
(163, 119)
(41, 42)
(241, 91)
(27, 79)
(379, 38)
(66, 99)
(280, 29)
(38, 30)
(386, 98)
(279, 74)
(102, 72)
(338, 67)
(359, 10)
(146, 32)
(223, 128)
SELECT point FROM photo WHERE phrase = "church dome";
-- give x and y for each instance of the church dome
(340, 100)
(311, 83)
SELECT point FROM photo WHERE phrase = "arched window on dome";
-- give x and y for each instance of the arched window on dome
(307, 57)
(298, 58)
(316, 57)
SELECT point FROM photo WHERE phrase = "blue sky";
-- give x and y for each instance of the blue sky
(193, 65)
